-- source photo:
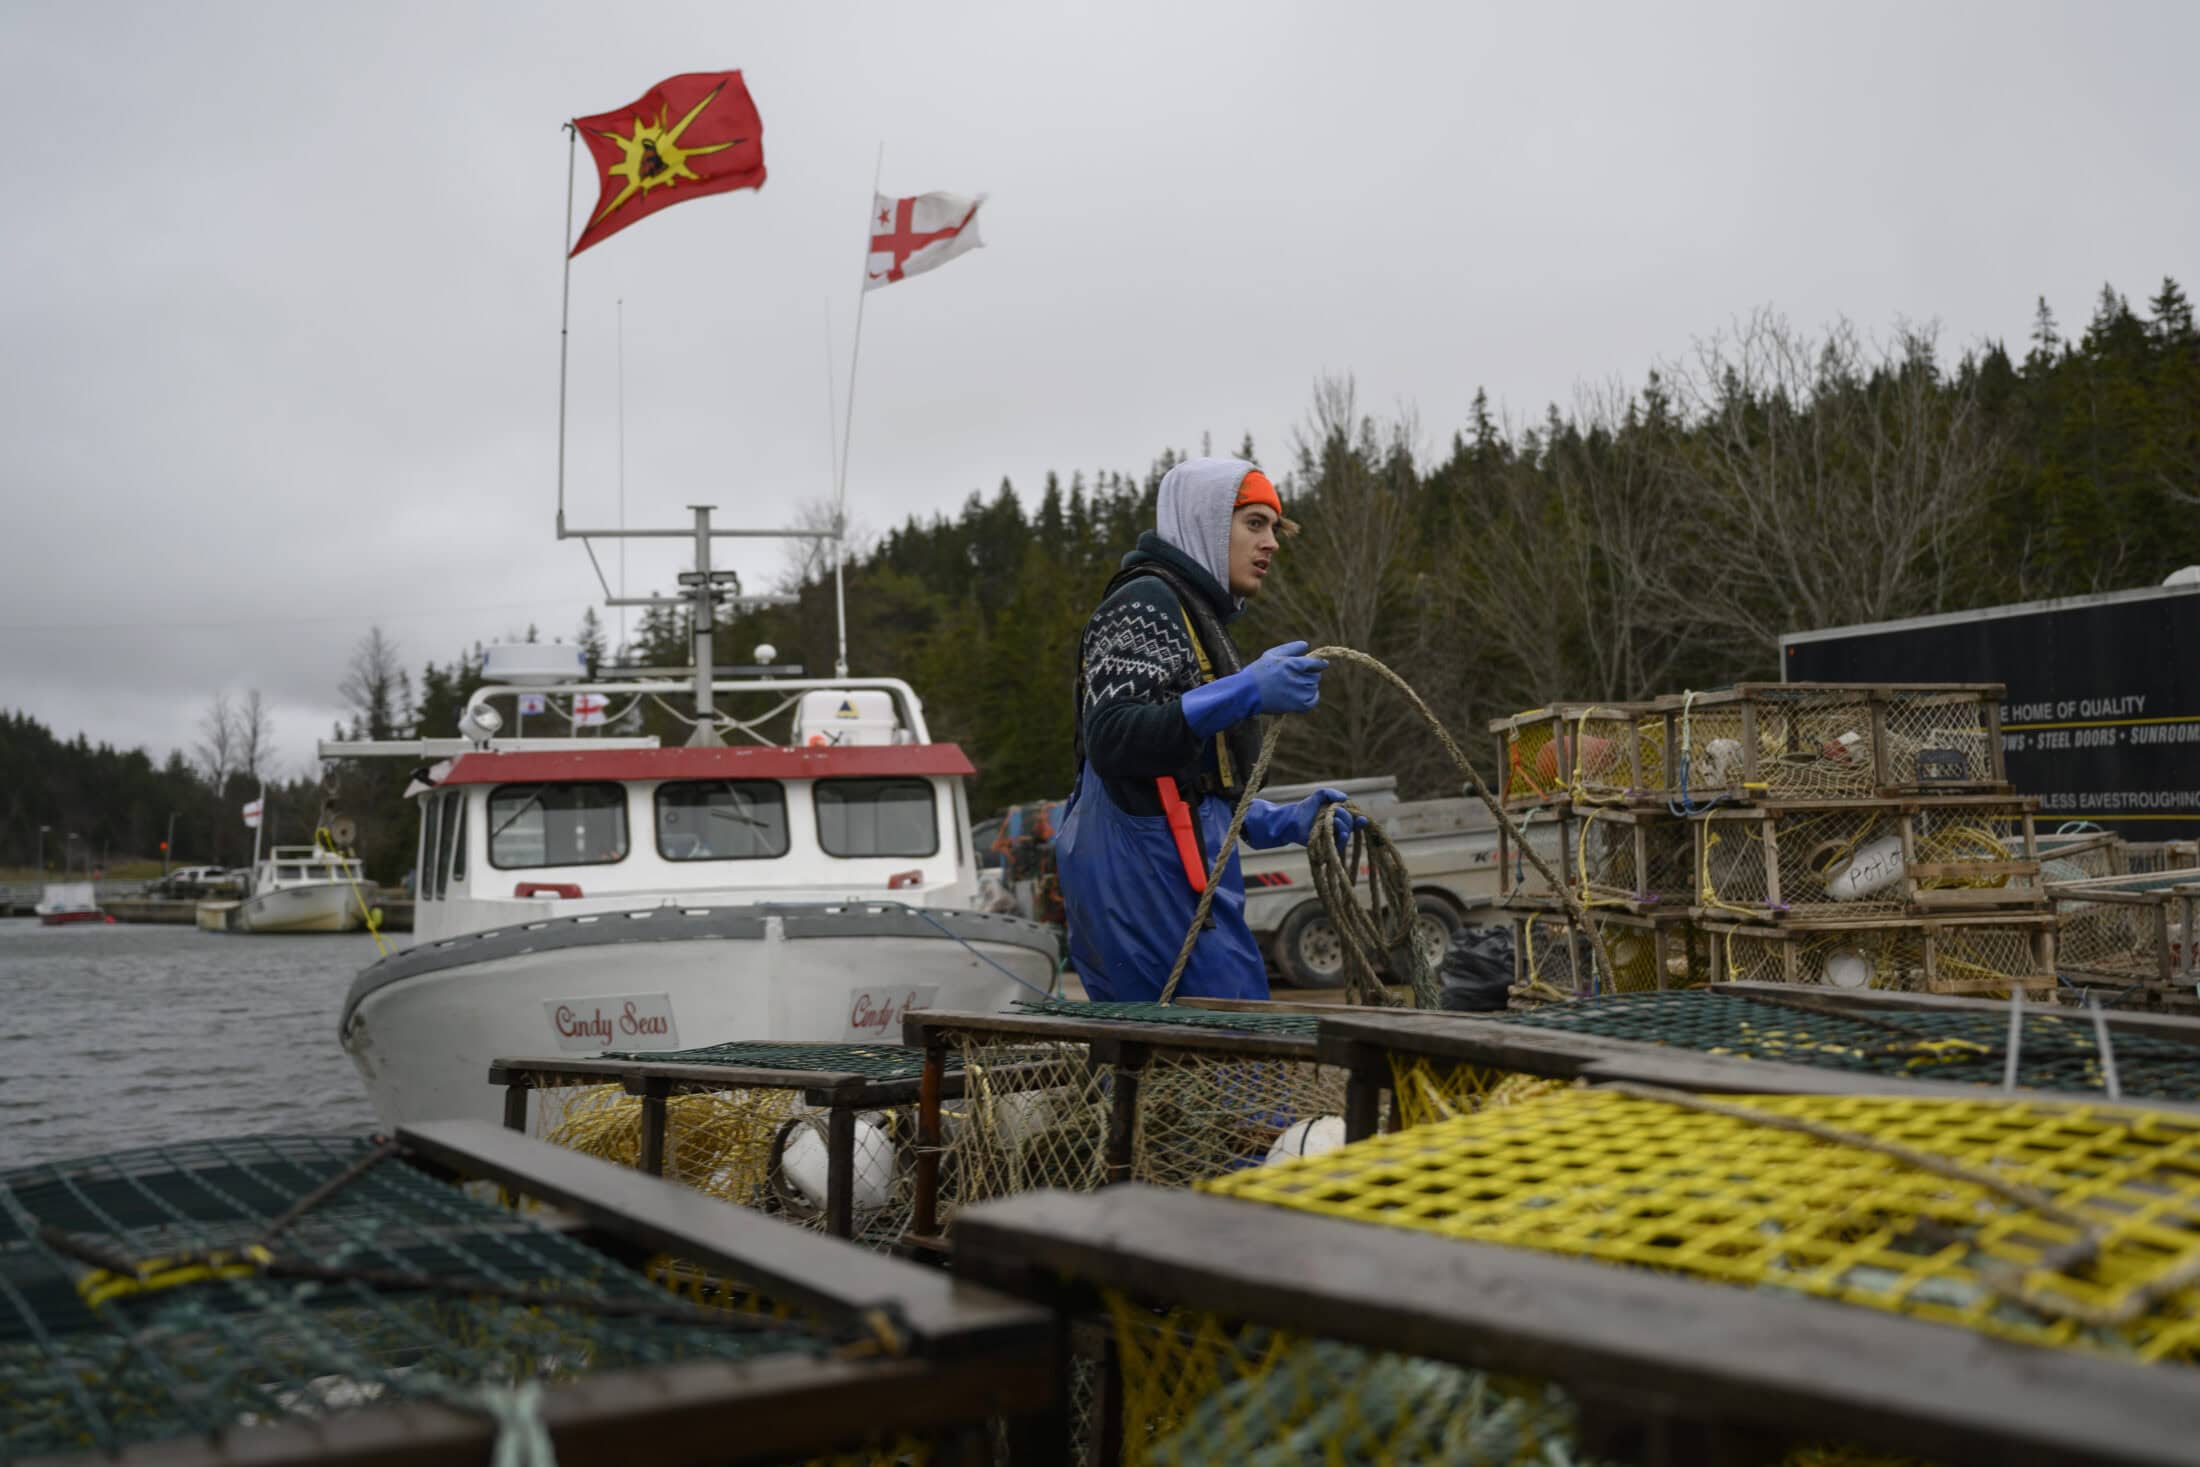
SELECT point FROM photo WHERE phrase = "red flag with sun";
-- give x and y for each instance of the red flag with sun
(689, 135)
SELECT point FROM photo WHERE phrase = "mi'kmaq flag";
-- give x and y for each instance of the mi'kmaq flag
(590, 708)
(252, 814)
(686, 137)
(911, 236)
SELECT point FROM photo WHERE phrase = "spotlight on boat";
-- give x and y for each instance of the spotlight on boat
(480, 722)
(766, 654)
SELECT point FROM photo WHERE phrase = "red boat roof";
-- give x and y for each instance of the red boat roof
(744, 761)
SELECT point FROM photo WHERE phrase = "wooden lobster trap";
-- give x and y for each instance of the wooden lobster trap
(1556, 959)
(1754, 1038)
(1401, 1300)
(2083, 855)
(2153, 857)
(1977, 955)
(1776, 862)
(821, 1135)
(2129, 932)
(1075, 1096)
(301, 1299)
(1832, 741)
(1590, 752)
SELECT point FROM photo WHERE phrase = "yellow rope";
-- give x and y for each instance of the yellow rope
(372, 916)
(152, 1275)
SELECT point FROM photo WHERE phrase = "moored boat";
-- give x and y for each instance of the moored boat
(69, 902)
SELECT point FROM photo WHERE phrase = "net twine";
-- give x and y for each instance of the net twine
(1366, 934)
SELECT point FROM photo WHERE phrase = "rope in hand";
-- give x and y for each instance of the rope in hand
(1368, 935)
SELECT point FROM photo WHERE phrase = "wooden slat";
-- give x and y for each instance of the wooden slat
(1973, 898)
(837, 1085)
(919, 1025)
(1961, 870)
(788, 1264)
(696, 1413)
(1803, 1368)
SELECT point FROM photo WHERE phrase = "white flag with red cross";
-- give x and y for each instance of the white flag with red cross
(590, 708)
(911, 236)
(252, 813)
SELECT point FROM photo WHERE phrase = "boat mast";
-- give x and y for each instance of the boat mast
(705, 590)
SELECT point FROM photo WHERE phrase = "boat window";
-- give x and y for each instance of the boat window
(458, 841)
(446, 832)
(876, 817)
(556, 825)
(290, 873)
(431, 809)
(721, 820)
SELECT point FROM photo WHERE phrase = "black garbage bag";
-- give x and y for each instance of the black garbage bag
(1477, 971)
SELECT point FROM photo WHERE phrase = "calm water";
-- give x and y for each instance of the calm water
(129, 1036)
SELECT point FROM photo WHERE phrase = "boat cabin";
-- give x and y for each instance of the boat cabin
(285, 866)
(507, 836)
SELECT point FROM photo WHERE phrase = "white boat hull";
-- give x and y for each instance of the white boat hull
(423, 1026)
(311, 907)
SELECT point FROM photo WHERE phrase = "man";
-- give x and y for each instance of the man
(1167, 732)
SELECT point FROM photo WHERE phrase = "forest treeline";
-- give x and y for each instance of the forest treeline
(1640, 539)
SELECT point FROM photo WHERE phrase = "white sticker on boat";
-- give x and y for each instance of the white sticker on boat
(874, 1014)
(620, 1021)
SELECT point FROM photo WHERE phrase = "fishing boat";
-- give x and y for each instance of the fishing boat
(295, 889)
(66, 903)
(813, 881)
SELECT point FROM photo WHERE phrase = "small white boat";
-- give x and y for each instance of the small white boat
(296, 889)
(68, 902)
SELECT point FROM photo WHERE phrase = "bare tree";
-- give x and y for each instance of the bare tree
(1348, 581)
(1828, 483)
(810, 561)
(372, 686)
(253, 735)
(216, 751)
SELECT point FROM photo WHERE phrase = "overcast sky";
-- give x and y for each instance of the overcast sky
(279, 283)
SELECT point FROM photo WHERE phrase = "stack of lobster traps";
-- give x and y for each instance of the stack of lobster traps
(1843, 835)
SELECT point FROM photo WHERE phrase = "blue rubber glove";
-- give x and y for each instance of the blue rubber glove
(1281, 680)
(1268, 825)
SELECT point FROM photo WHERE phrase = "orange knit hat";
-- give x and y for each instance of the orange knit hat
(1254, 488)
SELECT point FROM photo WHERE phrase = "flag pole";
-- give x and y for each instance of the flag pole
(847, 432)
(622, 471)
(565, 309)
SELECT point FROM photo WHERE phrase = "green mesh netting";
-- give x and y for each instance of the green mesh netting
(1240, 1020)
(170, 1291)
(2056, 1052)
(872, 1061)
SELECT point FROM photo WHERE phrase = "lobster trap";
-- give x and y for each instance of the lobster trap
(1555, 959)
(2153, 857)
(2128, 932)
(1832, 741)
(1758, 1039)
(1639, 861)
(1986, 956)
(821, 1135)
(295, 1299)
(1592, 752)
(1078, 1096)
(1774, 862)
(1251, 1328)
(2084, 855)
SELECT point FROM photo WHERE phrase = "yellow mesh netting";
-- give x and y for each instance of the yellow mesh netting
(1426, 1089)
(2098, 1252)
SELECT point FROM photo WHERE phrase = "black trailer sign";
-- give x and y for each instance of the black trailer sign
(2102, 716)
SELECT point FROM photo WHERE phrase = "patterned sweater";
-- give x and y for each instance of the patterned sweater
(1139, 662)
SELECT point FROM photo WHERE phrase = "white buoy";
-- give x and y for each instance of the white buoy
(804, 1158)
(1848, 970)
(1871, 870)
(1310, 1137)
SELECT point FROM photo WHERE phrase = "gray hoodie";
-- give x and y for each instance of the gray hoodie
(1198, 497)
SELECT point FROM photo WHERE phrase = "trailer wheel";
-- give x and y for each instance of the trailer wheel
(1309, 954)
(1435, 923)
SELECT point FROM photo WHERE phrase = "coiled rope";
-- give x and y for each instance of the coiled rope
(1370, 933)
